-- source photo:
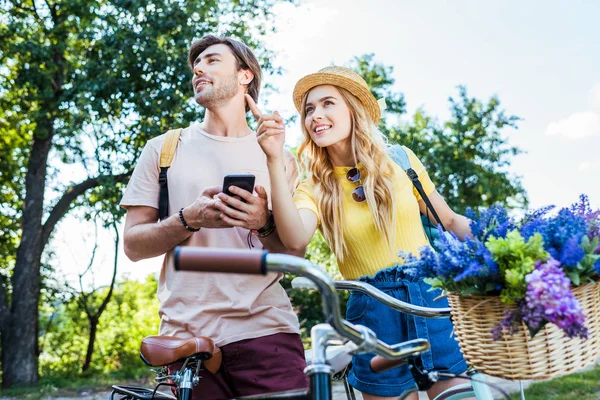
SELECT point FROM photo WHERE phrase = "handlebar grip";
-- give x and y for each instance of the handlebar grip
(381, 364)
(207, 259)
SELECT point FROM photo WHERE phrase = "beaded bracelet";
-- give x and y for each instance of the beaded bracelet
(185, 223)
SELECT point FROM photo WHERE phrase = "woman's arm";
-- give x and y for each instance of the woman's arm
(294, 227)
(455, 223)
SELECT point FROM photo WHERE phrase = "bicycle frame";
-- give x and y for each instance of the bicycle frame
(477, 388)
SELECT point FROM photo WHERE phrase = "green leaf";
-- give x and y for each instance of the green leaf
(574, 277)
(533, 332)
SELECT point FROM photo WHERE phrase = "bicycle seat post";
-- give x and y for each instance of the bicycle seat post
(319, 371)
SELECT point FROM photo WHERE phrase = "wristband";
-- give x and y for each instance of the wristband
(189, 228)
(267, 229)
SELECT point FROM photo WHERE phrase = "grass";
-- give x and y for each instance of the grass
(578, 386)
(75, 386)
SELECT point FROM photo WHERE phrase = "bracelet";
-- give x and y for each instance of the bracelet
(189, 228)
(267, 229)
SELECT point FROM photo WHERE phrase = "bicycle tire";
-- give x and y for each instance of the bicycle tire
(456, 394)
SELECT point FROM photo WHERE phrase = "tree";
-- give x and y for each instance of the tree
(467, 156)
(85, 83)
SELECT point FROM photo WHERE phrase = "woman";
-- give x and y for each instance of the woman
(367, 209)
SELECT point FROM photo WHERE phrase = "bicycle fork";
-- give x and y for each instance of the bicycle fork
(319, 371)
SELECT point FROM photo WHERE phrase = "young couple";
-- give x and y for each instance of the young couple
(362, 202)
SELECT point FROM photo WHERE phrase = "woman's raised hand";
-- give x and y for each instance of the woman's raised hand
(270, 131)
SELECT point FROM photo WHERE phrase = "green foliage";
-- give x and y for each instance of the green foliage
(131, 315)
(83, 85)
(379, 79)
(307, 303)
(467, 156)
(585, 268)
(516, 258)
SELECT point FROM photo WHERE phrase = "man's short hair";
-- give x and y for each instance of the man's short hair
(244, 56)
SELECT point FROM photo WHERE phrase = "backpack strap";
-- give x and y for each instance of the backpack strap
(400, 157)
(167, 152)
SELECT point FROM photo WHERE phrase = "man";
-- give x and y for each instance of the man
(250, 318)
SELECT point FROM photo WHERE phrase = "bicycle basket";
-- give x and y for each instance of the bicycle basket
(518, 357)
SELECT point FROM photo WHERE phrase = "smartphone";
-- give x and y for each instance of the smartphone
(243, 181)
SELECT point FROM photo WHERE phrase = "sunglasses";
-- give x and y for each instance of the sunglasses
(358, 194)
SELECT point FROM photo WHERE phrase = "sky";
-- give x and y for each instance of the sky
(541, 58)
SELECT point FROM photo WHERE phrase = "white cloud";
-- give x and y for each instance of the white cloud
(589, 166)
(595, 97)
(577, 126)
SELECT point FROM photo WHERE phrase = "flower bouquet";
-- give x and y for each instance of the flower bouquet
(524, 294)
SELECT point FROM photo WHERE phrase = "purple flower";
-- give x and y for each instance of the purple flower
(549, 298)
(509, 323)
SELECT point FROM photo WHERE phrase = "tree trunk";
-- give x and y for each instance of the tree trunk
(90, 349)
(20, 335)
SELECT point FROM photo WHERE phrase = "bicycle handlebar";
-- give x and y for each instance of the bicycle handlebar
(206, 259)
(370, 290)
(399, 305)
(189, 258)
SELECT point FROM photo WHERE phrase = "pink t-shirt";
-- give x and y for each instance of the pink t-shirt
(224, 307)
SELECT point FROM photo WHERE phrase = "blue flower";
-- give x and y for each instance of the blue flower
(493, 221)
(571, 253)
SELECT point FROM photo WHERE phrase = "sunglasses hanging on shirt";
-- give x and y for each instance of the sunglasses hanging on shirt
(358, 194)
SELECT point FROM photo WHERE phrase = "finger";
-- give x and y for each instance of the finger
(232, 221)
(261, 192)
(271, 124)
(244, 194)
(229, 201)
(271, 117)
(232, 213)
(273, 132)
(253, 107)
(264, 125)
(211, 191)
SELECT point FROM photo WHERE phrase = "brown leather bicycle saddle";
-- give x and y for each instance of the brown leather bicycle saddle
(158, 351)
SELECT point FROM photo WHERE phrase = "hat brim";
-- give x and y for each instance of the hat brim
(325, 78)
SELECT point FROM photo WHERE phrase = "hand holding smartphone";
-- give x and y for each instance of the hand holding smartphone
(243, 181)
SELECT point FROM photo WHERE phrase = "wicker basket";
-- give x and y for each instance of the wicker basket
(549, 354)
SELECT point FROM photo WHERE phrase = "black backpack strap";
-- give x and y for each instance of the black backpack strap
(167, 152)
(417, 184)
(163, 197)
(400, 157)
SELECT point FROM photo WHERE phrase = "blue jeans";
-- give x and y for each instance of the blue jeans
(393, 327)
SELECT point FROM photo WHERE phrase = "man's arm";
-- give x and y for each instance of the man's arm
(145, 237)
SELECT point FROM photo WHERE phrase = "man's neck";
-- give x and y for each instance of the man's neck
(227, 120)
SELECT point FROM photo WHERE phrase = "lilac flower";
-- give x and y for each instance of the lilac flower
(509, 323)
(549, 295)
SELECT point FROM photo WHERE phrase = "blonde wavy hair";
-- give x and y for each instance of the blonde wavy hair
(370, 149)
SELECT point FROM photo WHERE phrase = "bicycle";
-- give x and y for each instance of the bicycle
(356, 338)
(477, 388)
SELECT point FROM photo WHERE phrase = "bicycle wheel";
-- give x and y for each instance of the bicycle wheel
(456, 393)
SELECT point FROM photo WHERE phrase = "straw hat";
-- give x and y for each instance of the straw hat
(344, 78)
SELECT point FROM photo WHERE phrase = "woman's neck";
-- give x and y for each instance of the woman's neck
(341, 154)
